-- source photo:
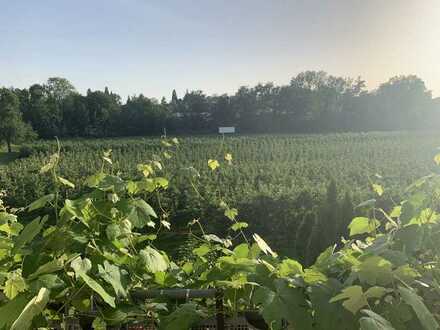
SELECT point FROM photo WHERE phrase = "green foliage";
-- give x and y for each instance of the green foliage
(362, 225)
(280, 184)
(88, 253)
(34, 307)
(12, 127)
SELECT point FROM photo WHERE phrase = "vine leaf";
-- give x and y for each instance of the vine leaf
(112, 275)
(153, 260)
(81, 267)
(425, 317)
(362, 225)
(49, 267)
(228, 158)
(354, 298)
(182, 318)
(290, 267)
(11, 310)
(141, 214)
(378, 189)
(213, 164)
(28, 233)
(53, 160)
(66, 182)
(32, 309)
(239, 225)
(374, 321)
(41, 202)
(231, 214)
(286, 303)
(99, 324)
(375, 270)
(263, 245)
(14, 285)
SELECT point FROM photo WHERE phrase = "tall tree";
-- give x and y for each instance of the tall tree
(12, 127)
(43, 112)
(59, 88)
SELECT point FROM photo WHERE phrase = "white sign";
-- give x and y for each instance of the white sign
(226, 130)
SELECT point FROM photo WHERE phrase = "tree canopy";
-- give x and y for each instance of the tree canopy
(313, 101)
(12, 127)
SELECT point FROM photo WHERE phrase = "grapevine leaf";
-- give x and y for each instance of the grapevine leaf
(213, 164)
(228, 158)
(241, 251)
(141, 213)
(239, 225)
(395, 213)
(375, 292)
(231, 214)
(362, 225)
(81, 267)
(94, 180)
(425, 317)
(286, 303)
(290, 267)
(66, 182)
(312, 276)
(367, 203)
(50, 164)
(182, 318)
(406, 273)
(14, 285)
(213, 238)
(28, 233)
(11, 310)
(437, 159)
(202, 250)
(32, 309)
(353, 297)
(49, 267)
(49, 281)
(374, 321)
(378, 189)
(81, 209)
(41, 202)
(99, 324)
(12, 229)
(113, 231)
(153, 260)
(263, 245)
(375, 270)
(112, 275)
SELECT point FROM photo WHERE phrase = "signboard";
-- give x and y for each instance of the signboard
(226, 130)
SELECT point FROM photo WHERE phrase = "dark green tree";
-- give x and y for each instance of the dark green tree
(12, 127)
(59, 88)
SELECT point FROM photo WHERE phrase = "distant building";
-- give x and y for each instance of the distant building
(226, 130)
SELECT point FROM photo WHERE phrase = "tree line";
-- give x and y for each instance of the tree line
(313, 101)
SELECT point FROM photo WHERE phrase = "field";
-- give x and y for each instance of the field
(258, 217)
(284, 185)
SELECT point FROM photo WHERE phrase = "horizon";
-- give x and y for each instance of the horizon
(148, 48)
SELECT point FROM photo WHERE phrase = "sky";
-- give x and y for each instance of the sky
(153, 47)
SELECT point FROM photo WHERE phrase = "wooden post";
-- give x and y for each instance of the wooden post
(219, 309)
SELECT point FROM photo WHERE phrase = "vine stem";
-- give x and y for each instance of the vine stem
(55, 179)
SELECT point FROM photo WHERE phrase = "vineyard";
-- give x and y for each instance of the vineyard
(93, 245)
(300, 191)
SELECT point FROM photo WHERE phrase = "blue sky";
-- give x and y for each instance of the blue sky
(151, 47)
